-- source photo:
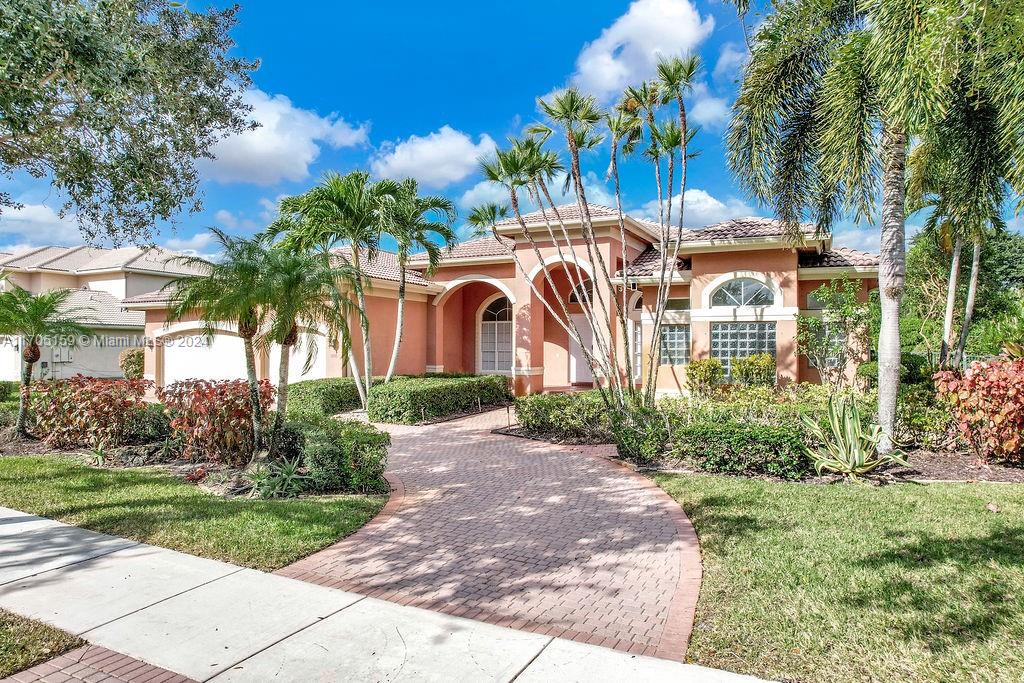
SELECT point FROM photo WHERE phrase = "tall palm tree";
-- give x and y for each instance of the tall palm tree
(33, 317)
(231, 289)
(411, 219)
(343, 210)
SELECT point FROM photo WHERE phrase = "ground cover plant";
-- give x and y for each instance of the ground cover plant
(25, 643)
(831, 584)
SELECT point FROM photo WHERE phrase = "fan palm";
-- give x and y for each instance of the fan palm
(32, 318)
(411, 219)
(232, 289)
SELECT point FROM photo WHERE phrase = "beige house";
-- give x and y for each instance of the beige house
(101, 280)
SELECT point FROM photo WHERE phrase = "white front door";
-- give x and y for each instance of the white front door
(579, 368)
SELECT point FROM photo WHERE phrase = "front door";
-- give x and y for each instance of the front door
(579, 368)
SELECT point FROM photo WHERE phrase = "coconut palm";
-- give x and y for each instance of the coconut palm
(32, 318)
(412, 219)
(231, 289)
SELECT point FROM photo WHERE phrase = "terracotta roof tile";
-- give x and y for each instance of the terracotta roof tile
(838, 257)
(384, 267)
(648, 263)
(568, 212)
(478, 248)
(101, 309)
(87, 259)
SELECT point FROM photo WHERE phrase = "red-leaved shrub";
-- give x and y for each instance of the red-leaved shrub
(214, 419)
(988, 405)
(87, 411)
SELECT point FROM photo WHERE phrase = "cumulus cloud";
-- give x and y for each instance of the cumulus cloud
(226, 219)
(731, 59)
(483, 192)
(38, 224)
(702, 209)
(865, 237)
(628, 51)
(707, 110)
(287, 142)
(436, 160)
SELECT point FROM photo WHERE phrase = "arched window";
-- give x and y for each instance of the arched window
(496, 337)
(743, 292)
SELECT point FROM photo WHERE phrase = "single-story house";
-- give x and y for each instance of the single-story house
(738, 288)
(100, 279)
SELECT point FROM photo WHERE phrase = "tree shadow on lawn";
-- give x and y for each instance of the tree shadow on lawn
(979, 603)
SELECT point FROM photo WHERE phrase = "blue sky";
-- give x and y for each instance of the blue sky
(423, 89)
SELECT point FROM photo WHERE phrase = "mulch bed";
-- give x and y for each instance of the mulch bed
(954, 466)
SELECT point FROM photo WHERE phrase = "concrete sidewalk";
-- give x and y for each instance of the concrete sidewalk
(210, 620)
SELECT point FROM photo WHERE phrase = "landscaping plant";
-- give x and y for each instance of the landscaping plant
(988, 405)
(641, 434)
(278, 478)
(132, 362)
(757, 370)
(84, 411)
(565, 416)
(729, 446)
(704, 375)
(848, 447)
(411, 400)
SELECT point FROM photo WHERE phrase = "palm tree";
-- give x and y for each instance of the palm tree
(33, 317)
(304, 288)
(342, 211)
(409, 219)
(232, 289)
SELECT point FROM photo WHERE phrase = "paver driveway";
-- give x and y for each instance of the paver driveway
(544, 538)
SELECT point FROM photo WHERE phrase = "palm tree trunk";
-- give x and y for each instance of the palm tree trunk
(254, 392)
(399, 321)
(282, 380)
(891, 277)
(364, 324)
(947, 322)
(972, 293)
(26, 380)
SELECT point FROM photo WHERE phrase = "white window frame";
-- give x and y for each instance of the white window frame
(479, 336)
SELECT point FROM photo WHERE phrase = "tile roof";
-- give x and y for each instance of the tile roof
(838, 257)
(736, 228)
(101, 309)
(568, 212)
(384, 267)
(478, 248)
(648, 263)
(80, 260)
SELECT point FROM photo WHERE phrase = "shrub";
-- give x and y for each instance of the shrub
(278, 479)
(214, 418)
(85, 411)
(988, 406)
(149, 425)
(734, 447)
(641, 434)
(328, 396)
(9, 390)
(289, 442)
(411, 400)
(848, 447)
(344, 455)
(757, 370)
(132, 362)
(702, 376)
(576, 416)
(922, 419)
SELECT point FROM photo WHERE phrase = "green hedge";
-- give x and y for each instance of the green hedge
(9, 390)
(339, 455)
(411, 400)
(742, 448)
(574, 416)
(328, 396)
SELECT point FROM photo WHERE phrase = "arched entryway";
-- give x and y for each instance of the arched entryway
(472, 328)
(494, 338)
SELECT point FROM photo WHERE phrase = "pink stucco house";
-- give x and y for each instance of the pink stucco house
(738, 289)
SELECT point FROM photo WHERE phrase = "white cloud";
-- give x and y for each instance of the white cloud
(865, 237)
(596, 190)
(707, 110)
(483, 192)
(436, 160)
(628, 51)
(731, 59)
(226, 219)
(38, 224)
(701, 209)
(193, 244)
(283, 147)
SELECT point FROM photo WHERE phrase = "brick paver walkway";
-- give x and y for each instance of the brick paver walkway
(550, 539)
(93, 664)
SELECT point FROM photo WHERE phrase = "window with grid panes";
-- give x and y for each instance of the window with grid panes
(739, 340)
(675, 344)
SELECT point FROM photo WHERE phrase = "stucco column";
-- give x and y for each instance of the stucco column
(786, 359)
(528, 341)
(435, 337)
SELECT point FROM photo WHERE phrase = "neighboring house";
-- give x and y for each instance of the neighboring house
(100, 280)
(738, 288)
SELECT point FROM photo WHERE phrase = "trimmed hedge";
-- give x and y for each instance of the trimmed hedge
(572, 416)
(411, 400)
(328, 396)
(743, 448)
(340, 455)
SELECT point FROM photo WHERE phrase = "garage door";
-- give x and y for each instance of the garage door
(318, 370)
(196, 357)
(10, 359)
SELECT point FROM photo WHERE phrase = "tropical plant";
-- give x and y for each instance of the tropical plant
(33, 318)
(757, 370)
(83, 411)
(703, 375)
(988, 405)
(132, 363)
(411, 219)
(231, 289)
(278, 478)
(830, 340)
(848, 447)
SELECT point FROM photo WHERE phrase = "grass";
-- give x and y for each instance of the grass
(851, 583)
(160, 509)
(25, 643)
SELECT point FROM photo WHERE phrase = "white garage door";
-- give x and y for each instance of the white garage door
(318, 370)
(196, 357)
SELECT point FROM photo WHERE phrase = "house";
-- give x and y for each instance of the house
(738, 287)
(100, 279)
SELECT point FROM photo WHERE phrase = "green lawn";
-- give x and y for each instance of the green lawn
(850, 583)
(157, 508)
(25, 643)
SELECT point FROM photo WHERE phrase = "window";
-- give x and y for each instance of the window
(581, 293)
(675, 344)
(743, 292)
(739, 340)
(813, 303)
(496, 337)
(638, 351)
(677, 305)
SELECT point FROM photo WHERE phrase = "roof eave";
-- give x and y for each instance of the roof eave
(831, 272)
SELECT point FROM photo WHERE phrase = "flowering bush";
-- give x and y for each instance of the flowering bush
(988, 406)
(214, 419)
(86, 411)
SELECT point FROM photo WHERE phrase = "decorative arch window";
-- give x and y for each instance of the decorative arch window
(743, 291)
(496, 336)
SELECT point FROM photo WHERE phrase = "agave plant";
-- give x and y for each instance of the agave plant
(848, 447)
